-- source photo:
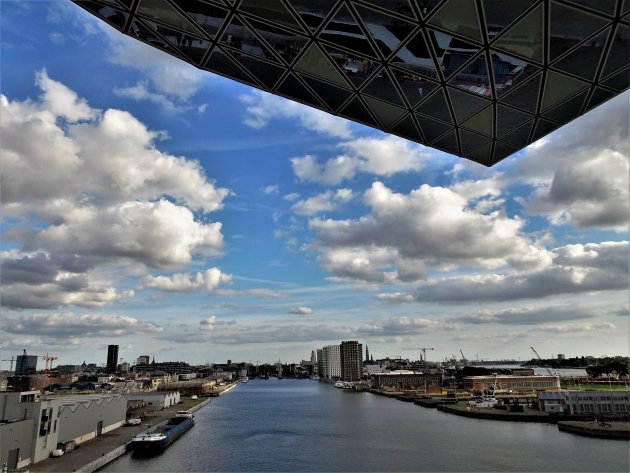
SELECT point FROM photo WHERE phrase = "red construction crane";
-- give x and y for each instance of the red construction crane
(48, 359)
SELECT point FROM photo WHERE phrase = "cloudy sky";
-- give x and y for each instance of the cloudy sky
(187, 217)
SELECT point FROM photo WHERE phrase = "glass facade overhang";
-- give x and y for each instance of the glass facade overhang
(479, 79)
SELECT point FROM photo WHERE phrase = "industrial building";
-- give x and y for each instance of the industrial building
(431, 383)
(513, 384)
(590, 403)
(155, 401)
(478, 79)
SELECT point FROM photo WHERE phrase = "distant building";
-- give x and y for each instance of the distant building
(25, 364)
(367, 354)
(431, 383)
(112, 358)
(351, 359)
(155, 401)
(562, 356)
(143, 360)
(331, 362)
(594, 403)
(515, 384)
(320, 363)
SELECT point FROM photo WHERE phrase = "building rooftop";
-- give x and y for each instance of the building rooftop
(478, 79)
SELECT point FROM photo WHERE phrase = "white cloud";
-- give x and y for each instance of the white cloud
(325, 202)
(301, 310)
(71, 325)
(381, 157)
(61, 101)
(184, 282)
(271, 189)
(291, 197)
(262, 107)
(429, 227)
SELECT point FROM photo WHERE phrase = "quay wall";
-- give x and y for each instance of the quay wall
(103, 460)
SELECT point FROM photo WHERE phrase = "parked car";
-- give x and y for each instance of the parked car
(57, 452)
(134, 421)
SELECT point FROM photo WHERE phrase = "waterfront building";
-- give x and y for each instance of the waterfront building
(514, 384)
(155, 400)
(112, 358)
(331, 362)
(430, 383)
(188, 387)
(25, 364)
(591, 403)
(479, 80)
(351, 359)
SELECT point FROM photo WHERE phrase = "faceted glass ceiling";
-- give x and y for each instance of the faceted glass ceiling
(476, 78)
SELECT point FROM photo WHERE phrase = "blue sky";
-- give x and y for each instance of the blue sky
(185, 216)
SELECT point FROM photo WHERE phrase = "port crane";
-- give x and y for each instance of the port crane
(540, 359)
(423, 352)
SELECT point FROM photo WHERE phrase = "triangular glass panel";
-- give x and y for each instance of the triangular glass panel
(407, 129)
(332, 95)
(502, 151)
(220, 63)
(191, 47)
(524, 96)
(386, 113)
(427, 7)
(311, 13)
(618, 81)
(459, 17)
(588, 53)
(402, 8)
(519, 136)
(474, 77)
(386, 31)
(141, 31)
(567, 110)
(381, 87)
(606, 6)
(471, 141)
(526, 37)
(447, 143)
(414, 87)
(315, 62)
(292, 88)
(357, 69)
(543, 128)
(619, 50)
(481, 123)
(508, 118)
(510, 71)
(271, 10)
(499, 14)
(238, 36)
(125, 3)
(163, 12)
(415, 57)
(286, 44)
(465, 105)
(599, 96)
(482, 155)
(432, 129)
(355, 110)
(436, 106)
(114, 17)
(568, 27)
(464, 51)
(343, 31)
(559, 87)
(207, 17)
(265, 72)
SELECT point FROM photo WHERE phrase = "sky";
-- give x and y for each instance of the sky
(188, 217)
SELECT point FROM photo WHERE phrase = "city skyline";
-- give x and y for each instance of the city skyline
(180, 215)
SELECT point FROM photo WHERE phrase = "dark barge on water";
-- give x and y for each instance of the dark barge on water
(162, 436)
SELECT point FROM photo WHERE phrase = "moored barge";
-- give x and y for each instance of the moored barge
(160, 438)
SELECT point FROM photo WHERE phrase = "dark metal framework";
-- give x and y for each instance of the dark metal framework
(479, 79)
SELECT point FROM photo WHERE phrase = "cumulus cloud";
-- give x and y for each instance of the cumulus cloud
(262, 107)
(271, 189)
(404, 234)
(326, 202)
(576, 269)
(184, 282)
(300, 310)
(71, 325)
(378, 156)
(39, 280)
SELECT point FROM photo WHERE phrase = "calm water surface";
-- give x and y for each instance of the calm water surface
(303, 425)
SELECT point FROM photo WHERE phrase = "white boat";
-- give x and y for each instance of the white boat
(245, 379)
(483, 401)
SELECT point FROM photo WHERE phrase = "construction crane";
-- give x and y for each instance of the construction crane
(48, 359)
(423, 350)
(540, 359)
(12, 360)
(463, 357)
